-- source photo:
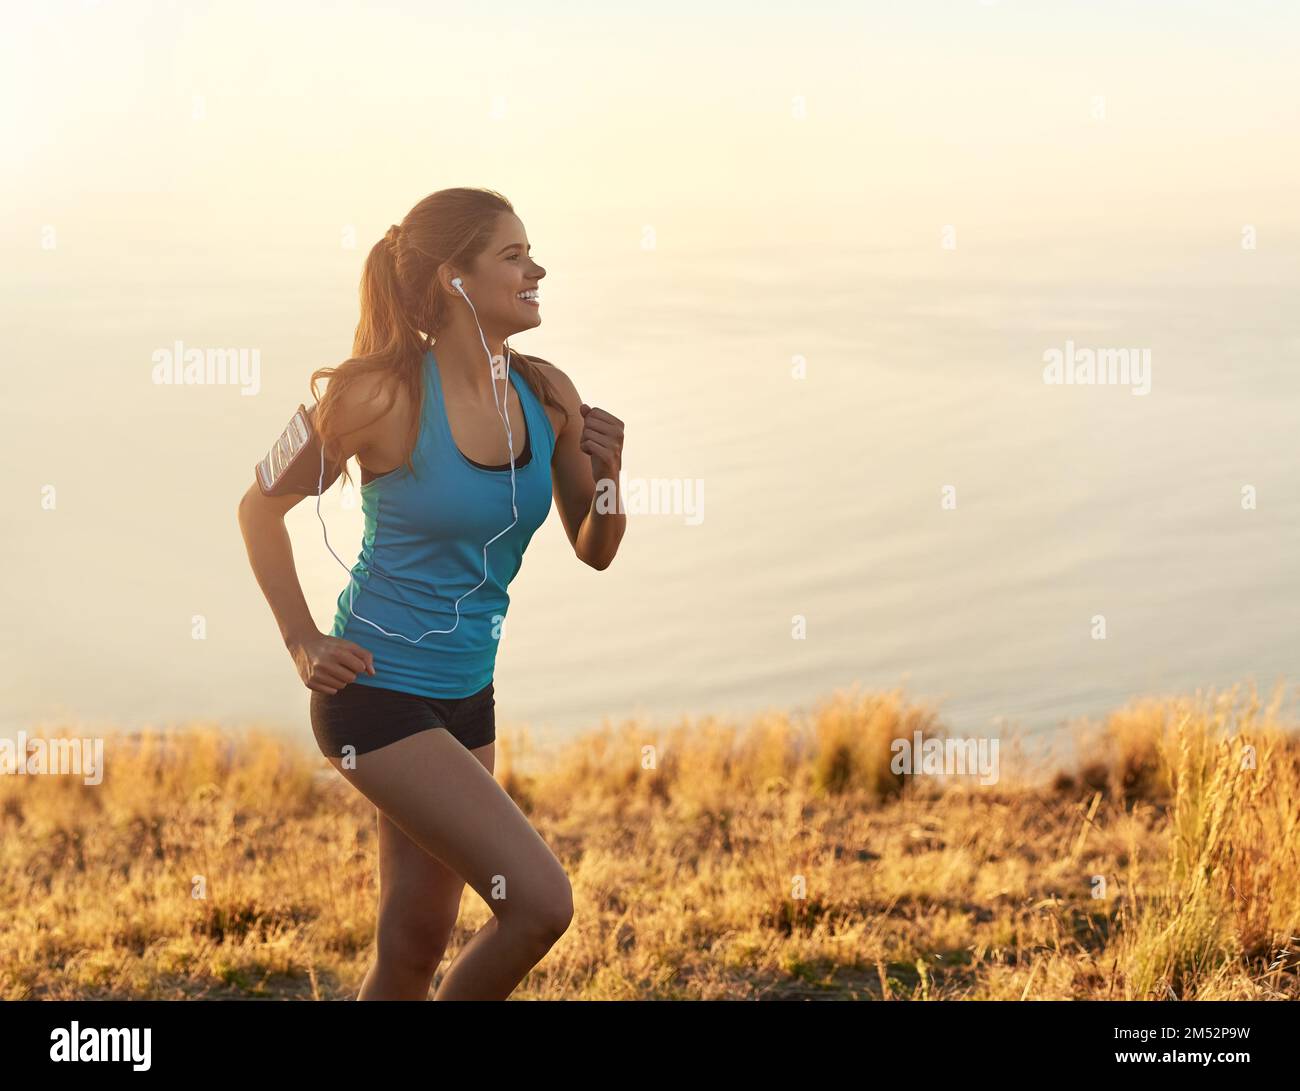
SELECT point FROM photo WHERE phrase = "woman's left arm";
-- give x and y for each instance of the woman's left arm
(585, 470)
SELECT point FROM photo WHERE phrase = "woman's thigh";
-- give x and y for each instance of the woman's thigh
(413, 885)
(448, 804)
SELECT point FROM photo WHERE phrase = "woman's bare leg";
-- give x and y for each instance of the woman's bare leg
(449, 805)
(419, 900)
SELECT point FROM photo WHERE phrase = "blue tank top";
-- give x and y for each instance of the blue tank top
(422, 549)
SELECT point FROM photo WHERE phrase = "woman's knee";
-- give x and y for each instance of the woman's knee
(414, 939)
(558, 913)
(546, 912)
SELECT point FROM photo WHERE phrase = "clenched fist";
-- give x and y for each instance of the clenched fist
(602, 439)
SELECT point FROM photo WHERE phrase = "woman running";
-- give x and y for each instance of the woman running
(457, 467)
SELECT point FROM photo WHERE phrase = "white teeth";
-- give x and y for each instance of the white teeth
(530, 294)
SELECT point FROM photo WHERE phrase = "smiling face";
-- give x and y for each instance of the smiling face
(503, 283)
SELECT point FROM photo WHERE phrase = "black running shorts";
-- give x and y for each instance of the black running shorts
(368, 717)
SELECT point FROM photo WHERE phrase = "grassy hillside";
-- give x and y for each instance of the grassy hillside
(781, 858)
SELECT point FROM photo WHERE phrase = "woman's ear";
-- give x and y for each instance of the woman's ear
(446, 274)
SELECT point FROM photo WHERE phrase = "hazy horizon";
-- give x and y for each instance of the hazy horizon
(917, 202)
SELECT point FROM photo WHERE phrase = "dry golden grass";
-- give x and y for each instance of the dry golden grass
(780, 859)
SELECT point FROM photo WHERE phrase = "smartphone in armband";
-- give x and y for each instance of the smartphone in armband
(293, 464)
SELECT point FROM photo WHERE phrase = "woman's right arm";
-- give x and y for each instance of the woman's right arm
(324, 663)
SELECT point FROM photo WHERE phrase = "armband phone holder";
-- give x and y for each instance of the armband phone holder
(294, 465)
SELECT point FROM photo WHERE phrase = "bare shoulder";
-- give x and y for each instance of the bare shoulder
(562, 383)
(361, 405)
(564, 390)
(359, 399)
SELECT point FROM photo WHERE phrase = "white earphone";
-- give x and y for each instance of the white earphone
(504, 412)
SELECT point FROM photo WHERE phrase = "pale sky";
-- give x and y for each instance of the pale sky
(846, 120)
(714, 189)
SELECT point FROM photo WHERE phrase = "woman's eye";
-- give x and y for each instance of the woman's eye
(512, 257)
